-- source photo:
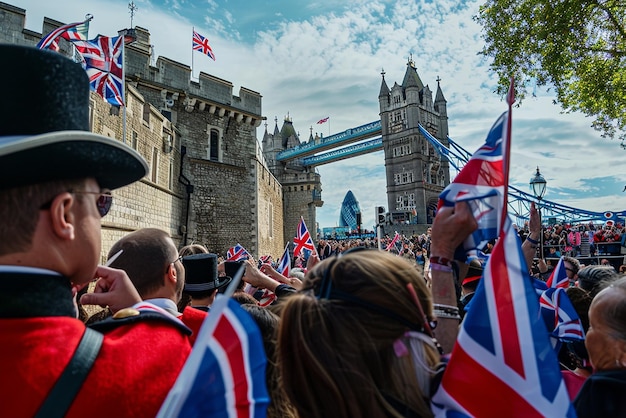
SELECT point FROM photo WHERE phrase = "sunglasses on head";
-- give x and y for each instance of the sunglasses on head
(103, 202)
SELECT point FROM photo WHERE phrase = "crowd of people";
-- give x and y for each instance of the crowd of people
(581, 240)
(354, 332)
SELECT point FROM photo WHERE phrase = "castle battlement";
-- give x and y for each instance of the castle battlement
(209, 93)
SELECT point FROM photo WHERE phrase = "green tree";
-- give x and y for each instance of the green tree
(576, 46)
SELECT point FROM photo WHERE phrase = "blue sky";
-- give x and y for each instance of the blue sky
(312, 59)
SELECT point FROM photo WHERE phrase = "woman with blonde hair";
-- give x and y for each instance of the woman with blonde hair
(358, 340)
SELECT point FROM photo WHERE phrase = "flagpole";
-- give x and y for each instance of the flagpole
(193, 29)
(506, 161)
(124, 89)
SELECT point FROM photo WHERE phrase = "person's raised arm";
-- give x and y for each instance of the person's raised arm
(532, 241)
(451, 226)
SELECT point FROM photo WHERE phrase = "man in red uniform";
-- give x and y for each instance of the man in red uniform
(55, 182)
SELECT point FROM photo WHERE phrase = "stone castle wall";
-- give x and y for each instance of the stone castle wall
(230, 198)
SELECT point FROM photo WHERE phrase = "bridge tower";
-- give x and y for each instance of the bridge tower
(415, 172)
(302, 186)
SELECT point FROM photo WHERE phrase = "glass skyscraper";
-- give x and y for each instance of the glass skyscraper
(350, 212)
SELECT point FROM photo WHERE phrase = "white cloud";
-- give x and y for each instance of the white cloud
(330, 65)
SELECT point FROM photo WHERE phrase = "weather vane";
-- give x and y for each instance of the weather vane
(133, 8)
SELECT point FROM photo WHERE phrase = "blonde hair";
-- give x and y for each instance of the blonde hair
(337, 353)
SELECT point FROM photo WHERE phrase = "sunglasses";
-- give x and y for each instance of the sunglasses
(103, 203)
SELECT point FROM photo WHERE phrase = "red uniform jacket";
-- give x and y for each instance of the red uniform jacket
(137, 364)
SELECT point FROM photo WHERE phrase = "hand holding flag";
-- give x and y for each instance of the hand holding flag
(502, 344)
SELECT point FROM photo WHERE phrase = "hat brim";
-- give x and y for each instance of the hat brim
(199, 287)
(65, 155)
(470, 279)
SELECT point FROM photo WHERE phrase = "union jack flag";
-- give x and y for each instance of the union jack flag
(303, 240)
(323, 120)
(237, 253)
(224, 376)
(284, 264)
(201, 44)
(558, 278)
(103, 59)
(481, 184)
(560, 317)
(503, 344)
(72, 32)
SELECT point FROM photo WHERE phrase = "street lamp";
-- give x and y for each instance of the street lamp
(538, 186)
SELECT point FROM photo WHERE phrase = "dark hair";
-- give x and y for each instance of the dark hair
(574, 262)
(147, 253)
(19, 211)
(595, 278)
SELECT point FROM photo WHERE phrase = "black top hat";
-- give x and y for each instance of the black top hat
(201, 273)
(44, 127)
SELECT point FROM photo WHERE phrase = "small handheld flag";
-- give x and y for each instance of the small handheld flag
(303, 240)
(237, 253)
(284, 264)
(224, 376)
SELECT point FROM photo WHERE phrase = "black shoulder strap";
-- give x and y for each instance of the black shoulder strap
(67, 386)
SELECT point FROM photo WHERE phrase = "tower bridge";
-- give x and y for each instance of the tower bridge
(340, 139)
(418, 152)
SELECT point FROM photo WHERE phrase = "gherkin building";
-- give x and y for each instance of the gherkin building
(350, 211)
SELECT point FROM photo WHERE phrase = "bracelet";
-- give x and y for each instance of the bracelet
(443, 261)
(440, 267)
(532, 241)
(452, 309)
(444, 314)
(446, 311)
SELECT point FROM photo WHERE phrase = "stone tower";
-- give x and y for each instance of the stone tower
(302, 186)
(415, 172)
(208, 180)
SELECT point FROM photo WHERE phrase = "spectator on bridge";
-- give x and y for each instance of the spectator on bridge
(553, 252)
(323, 249)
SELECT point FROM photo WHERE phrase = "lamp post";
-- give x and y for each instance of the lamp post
(538, 187)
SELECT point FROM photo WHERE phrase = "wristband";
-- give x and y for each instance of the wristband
(442, 261)
(532, 241)
(440, 267)
(446, 311)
